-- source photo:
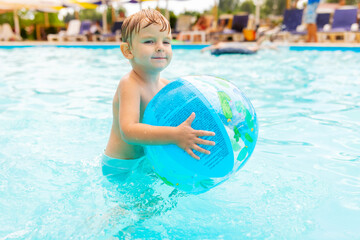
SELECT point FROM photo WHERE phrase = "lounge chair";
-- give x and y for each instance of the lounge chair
(228, 20)
(72, 30)
(321, 20)
(7, 34)
(183, 24)
(114, 35)
(292, 20)
(192, 34)
(84, 30)
(343, 20)
(239, 23)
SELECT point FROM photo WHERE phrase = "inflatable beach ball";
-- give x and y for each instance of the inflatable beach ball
(219, 107)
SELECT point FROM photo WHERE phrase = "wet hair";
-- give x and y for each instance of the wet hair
(132, 24)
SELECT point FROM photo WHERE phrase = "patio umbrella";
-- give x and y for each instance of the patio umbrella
(141, 1)
(43, 5)
(137, 2)
(51, 4)
(15, 5)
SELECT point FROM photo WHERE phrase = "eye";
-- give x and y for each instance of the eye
(166, 42)
(149, 42)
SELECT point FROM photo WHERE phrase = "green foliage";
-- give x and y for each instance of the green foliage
(191, 13)
(92, 14)
(121, 9)
(109, 15)
(172, 16)
(28, 18)
(173, 19)
(228, 6)
(68, 17)
(54, 21)
(274, 7)
(269, 7)
(39, 18)
(247, 6)
(7, 18)
(348, 2)
(234, 6)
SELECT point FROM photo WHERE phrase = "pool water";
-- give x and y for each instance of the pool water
(302, 181)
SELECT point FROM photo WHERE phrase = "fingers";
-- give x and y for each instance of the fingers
(204, 133)
(191, 153)
(200, 149)
(191, 118)
(205, 142)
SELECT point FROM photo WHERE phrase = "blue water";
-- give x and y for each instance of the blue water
(302, 181)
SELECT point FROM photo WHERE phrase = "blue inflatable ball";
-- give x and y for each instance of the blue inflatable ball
(219, 107)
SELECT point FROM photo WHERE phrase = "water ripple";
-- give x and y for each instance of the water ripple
(56, 116)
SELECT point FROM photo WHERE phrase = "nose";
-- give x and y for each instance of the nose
(160, 47)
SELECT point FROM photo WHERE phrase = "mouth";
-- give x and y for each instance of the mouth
(159, 58)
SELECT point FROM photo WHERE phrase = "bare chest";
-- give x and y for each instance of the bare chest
(146, 97)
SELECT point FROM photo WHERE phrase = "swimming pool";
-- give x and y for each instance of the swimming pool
(302, 181)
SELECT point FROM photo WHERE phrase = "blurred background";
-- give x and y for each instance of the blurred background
(36, 19)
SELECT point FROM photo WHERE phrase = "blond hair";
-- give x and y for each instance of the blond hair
(132, 23)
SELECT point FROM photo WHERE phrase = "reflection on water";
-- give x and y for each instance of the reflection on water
(301, 182)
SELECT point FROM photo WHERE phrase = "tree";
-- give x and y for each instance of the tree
(348, 2)
(274, 7)
(228, 6)
(91, 14)
(247, 6)
(7, 18)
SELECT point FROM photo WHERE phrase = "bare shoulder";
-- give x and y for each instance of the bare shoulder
(164, 81)
(127, 84)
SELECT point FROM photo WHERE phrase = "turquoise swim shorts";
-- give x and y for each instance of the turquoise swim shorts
(119, 167)
(310, 16)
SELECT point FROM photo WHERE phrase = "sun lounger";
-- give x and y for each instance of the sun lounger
(357, 37)
(115, 34)
(72, 30)
(321, 20)
(84, 29)
(301, 31)
(183, 24)
(228, 20)
(193, 34)
(292, 20)
(7, 34)
(341, 27)
(239, 23)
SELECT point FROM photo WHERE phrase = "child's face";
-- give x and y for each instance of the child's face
(151, 48)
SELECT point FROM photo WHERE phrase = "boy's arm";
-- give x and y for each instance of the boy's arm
(134, 132)
(208, 48)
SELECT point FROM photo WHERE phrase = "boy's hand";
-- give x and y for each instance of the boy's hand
(188, 138)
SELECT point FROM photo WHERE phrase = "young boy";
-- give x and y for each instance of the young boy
(146, 38)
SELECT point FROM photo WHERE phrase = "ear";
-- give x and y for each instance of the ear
(126, 51)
